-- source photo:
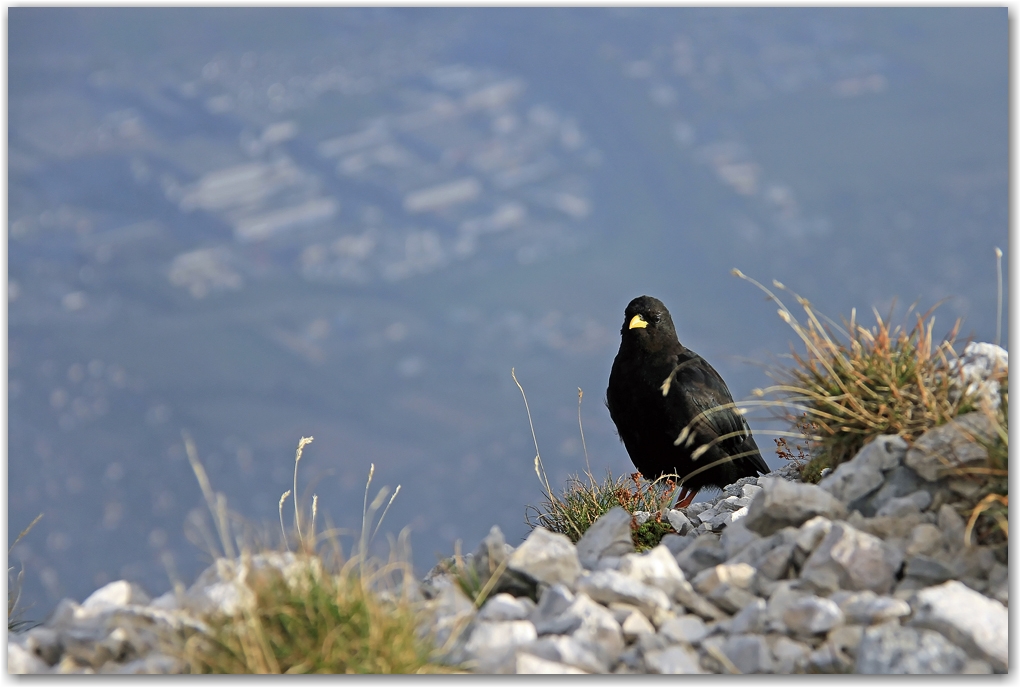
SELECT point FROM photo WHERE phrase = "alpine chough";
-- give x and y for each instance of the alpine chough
(672, 410)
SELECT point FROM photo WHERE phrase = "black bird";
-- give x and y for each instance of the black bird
(672, 410)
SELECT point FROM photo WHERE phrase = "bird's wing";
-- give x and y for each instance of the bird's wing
(709, 403)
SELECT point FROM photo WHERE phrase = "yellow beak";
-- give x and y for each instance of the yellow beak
(637, 322)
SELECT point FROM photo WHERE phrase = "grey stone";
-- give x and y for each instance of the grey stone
(120, 593)
(736, 537)
(451, 613)
(977, 372)
(969, 619)
(489, 639)
(782, 503)
(890, 649)
(695, 603)
(846, 639)
(788, 655)
(952, 526)
(152, 664)
(608, 563)
(998, 583)
(596, 626)
(704, 517)
(704, 552)
(776, 563)
(21, 661)
(728, 504)
(902, 505)
(863, 474)
(812, 615)
(631, 661)
(656, 567)
(782, 597)
(503, 606)
(928, 570)
(490, 557)
(724, 519)
(634, 625)
(829, 659)
(868, 608)
(727, 586)
(548, 614)
(547, 557)
(680, 522)
(529, 664)
(688, 629)
(731, 598)
(64, 613)
(697, 508)
(737, 488)
(673, 660)
(45, 643)
(571, 651)
(750, 619)
(749, 653)
(954, 444)
(606, 586)
(754, 553)
(967, 488)
(899, 482)
(850, 559)
(976, 667)
(974, 563)
(676, 544)
(739, 574)
(925, 539)
(812, 532)
(749, 490)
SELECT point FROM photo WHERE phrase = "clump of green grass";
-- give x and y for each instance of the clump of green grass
(852, 383)
(15, 616)
(313, 623)
(324, 613)
(578, 505)
(583, 501)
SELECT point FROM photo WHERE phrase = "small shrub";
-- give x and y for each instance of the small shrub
(321, 614)
(582, 502)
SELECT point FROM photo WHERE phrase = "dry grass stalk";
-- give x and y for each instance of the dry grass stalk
(326, 614)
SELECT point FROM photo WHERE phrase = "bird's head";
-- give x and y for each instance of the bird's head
(646, 318)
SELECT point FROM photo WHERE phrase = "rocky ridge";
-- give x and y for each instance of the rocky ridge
(867, 572)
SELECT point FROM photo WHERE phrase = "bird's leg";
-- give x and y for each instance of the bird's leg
(686, 496)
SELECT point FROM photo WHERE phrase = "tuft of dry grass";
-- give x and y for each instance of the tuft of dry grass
(323, 612)
(852, 383)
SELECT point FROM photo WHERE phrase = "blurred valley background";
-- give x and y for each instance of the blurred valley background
(262, 224)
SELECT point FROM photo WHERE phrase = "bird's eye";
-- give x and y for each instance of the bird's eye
(656, 317)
